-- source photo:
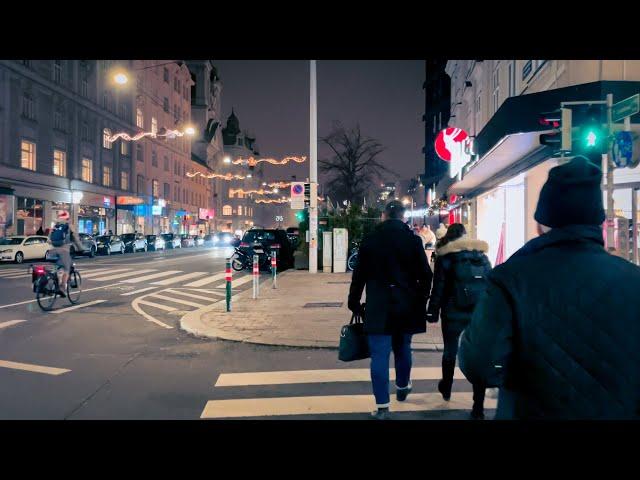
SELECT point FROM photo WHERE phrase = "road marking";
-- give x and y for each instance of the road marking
(122, 275)
(157, 305)
(76, 307)
(33, 368)
(237, 283)
(10, 323)
(206, 281)
(180, 278)
(34, 300)
(322, 376)
(177, 300)
(14, 276)
(192, 295)
(152, 276)
(135, 305)
(98, 273)
(137, 291)
(264, 407)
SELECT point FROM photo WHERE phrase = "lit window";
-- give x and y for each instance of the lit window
(239, 209)
(28, 158)
(124, 180)
(155, 188)
(106, 176)
(124, 147)
(232, 193)
(226, 210)
(154, 125)
(139, 118)
(87, 170)
(59, 163)
(106, 135)
(240, 194)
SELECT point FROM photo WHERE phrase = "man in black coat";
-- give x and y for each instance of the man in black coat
(393, 266)
(559, 328)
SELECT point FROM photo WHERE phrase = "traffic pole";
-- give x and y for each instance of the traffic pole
(256, 272)
(274, 268)
(228, 279)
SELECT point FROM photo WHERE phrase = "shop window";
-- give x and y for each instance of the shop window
(124, 180)
(106, 142)
(226, 210)
(139, 118)
(59, 163)
(87, 170)
(28, 155)
(106, 176)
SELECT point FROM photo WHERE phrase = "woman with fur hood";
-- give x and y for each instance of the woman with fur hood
(461, 268)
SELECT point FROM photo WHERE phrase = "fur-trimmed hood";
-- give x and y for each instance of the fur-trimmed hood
(463, 245)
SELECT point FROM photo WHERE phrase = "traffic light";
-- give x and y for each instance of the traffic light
(300, 216)
(591, 140)
(560, 122)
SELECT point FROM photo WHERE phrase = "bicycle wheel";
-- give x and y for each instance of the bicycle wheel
(237, 264)
(46, 292)
(74, 287)
(353, 260)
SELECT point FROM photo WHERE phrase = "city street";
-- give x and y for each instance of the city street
(119, 353)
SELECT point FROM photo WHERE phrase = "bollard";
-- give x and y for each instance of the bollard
(256, 278)
(274, 268)
(228, 279)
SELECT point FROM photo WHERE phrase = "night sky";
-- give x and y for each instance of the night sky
(271, 100)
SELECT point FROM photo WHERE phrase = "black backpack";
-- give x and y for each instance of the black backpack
(59, 235)
(469, 277)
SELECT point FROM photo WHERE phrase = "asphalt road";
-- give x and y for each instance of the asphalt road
(120, 355)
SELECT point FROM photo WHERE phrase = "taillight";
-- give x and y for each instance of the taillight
(244, 244)
(275, 245)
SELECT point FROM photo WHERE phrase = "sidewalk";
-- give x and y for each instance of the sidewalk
(279, 316)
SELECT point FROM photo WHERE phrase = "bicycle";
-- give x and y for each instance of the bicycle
(46, 285)
(353, 258)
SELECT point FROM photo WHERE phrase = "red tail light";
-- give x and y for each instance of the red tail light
(39, 270)
(244, 244)
(275, 245)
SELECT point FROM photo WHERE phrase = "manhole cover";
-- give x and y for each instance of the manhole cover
(322, 304)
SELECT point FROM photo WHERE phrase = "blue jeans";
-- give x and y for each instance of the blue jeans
(380, 347)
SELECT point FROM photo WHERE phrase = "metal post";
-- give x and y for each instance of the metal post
(256, 271)
(609, 166)
(228, 279)
(274, 268)
(634, 223)
(313, 171)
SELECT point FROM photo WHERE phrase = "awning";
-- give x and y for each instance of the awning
(6, 191)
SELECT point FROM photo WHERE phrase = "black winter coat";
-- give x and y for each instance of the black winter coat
(559, 330)
(442, 300)
(391, 254)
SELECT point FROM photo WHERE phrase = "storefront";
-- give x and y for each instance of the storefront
(131, 214)
(626, 208)
(6, 210)
(95, 213)
(29, 214)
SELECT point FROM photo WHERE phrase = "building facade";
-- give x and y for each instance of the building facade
(437, 92)
(498, 103)
(56, 117)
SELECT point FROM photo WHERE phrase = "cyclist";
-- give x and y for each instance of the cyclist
(61, 238)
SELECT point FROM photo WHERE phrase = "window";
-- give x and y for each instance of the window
(166, 74)
(57, 71)
(139, 153)
(239, 209)
(59, 163)
(28, 155)
(124, 147)
(139, 118)
(176, 194)
(526, 69)
(124, 111)
(87, 170)
(166, 163)
(106, 176)
(232, 193)
(84, 87)
(167, 191)
(154, 125)
(58, 120)
(85, 131)
(496, 90)
(154, 158)
(175, 111)
(226, 210)
(155, 188)
(124, 180)
(140, 185)
(512, 78)
(175, 84)
(106, 142)
(240, 194)
(185, 196)
(165, 104)
(26, 63)
(28, 108)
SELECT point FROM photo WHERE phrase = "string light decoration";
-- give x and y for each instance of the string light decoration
(261, 191)
(140, 135)
(271, 200)
(437, 205)
(252, 162)
(226, 176)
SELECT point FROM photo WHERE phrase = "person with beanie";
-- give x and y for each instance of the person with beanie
(558, 327)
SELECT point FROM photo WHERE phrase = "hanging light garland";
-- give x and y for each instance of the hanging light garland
(162, 133)
(226, 176)
(252, 162)
(437, 205)
(260, 191)
(271, 200)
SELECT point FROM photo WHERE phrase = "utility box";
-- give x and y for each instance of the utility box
(327, 251)
(340, 249)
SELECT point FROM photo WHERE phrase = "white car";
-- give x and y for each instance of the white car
(20, 248)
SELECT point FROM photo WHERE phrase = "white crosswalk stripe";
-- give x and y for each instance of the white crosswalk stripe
(121, 275)
(171, 281)
(176, 300)
(152, 276)
(213, 296)
(206, 281)
(157, 305)
(98, 273)
(238, 282)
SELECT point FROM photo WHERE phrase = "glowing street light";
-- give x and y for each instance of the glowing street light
(227, 159)
(249, 175)
(275, 190)
(120, 78)
(190, 131)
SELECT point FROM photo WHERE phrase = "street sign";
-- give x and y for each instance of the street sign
(297, 195)
(622, 150)
(626, 108)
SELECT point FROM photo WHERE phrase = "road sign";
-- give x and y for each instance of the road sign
(297, 195)
(626, 108)
(622, 149)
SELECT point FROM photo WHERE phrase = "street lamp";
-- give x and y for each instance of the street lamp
(190, 131)
(227, 159)
(121, 78)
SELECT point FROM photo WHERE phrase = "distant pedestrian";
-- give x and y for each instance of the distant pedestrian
(393, 267)
(558, 330)
(428, 237)
(459, 280)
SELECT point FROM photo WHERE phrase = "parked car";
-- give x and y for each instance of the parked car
(171, 240)
(20, 248)
(108, 244)
(268, 239)
(188, 241)
(155, 242)
(208, 241)
(199, 241)
(134, 242)
(89, 247)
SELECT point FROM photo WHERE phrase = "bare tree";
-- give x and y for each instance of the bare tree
(354, 167)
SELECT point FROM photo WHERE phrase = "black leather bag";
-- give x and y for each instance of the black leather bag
(353, 341)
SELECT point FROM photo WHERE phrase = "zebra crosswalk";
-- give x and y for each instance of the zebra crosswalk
(322, 405)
